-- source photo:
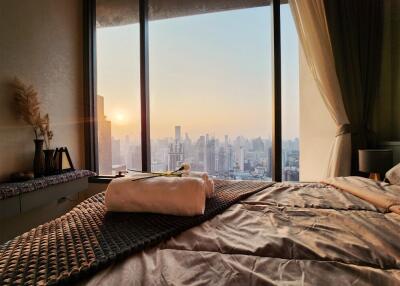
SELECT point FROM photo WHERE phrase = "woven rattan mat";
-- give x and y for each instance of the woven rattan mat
(88, 238)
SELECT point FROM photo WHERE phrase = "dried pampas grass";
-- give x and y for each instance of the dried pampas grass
(28, 107)
(45, 130)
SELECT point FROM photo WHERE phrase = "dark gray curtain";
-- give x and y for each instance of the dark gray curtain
(355, 28)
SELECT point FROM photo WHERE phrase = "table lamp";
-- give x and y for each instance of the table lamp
(375, 162)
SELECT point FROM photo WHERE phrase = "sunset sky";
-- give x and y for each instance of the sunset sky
(209, 73)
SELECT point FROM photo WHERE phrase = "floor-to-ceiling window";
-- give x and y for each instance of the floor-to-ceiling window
(210, 87)
(210, 92)
(118, 87)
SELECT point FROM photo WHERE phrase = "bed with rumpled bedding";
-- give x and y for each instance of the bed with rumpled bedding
(287, 234)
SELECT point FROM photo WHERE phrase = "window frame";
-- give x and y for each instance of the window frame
(90, 90)
(90, 86)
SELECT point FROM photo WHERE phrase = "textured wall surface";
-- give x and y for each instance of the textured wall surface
(41, 42)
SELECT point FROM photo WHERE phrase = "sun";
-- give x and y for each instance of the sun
(120, 117)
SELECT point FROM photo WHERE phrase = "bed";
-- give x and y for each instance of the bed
(284, 234)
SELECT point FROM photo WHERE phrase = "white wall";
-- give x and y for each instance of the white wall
(317, 129)
(41, 42)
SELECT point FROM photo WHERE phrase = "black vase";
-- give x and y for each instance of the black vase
(38, 160)
(49, 167)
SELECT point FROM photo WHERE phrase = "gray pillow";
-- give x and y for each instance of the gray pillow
(393, 175)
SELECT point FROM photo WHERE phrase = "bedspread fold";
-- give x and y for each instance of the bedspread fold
(380, 194)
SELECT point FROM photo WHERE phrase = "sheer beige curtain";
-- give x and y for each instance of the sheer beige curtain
(312, 29)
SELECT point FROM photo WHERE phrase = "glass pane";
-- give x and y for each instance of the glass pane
(210, 88)
(290, 96)
(118, 86)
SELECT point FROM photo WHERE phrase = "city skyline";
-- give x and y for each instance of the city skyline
(228, 158)
(231, 158)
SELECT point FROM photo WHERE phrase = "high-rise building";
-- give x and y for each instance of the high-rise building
(241, 159)
(104, 138)
(221, 166)
(269, 162)
(187, 147)
(177, 133)
(284, 158)
(201, 151)
(258, 144)
(226, 141)
(290, 174)
(176, 155)
(210, 156)
(230, 162)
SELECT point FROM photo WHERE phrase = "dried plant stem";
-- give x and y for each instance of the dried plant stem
(28, 108)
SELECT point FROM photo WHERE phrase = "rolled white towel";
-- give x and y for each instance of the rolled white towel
(165, 195)
(204, 176)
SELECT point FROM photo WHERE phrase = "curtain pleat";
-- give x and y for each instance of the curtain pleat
(313, 32)
(355, 29)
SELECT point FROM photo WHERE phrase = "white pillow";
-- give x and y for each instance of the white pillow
(393, 175)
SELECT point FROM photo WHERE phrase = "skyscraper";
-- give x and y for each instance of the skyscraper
(104, 138)
(201, 154)
(258, 144)
(210, 156)
(229, 158)
(176, 154)
(241, 159)
(269, 162)
(221, 161)
(187, 147)
(177, 133)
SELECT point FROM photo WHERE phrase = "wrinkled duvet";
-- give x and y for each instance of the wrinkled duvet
(287, 234)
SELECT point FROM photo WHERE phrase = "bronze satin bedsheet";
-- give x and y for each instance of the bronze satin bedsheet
(288, 234)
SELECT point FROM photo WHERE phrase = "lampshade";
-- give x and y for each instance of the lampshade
(375, 160)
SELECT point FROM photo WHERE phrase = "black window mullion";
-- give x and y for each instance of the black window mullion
(89, 82)
(276, 98)
(144, 85)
